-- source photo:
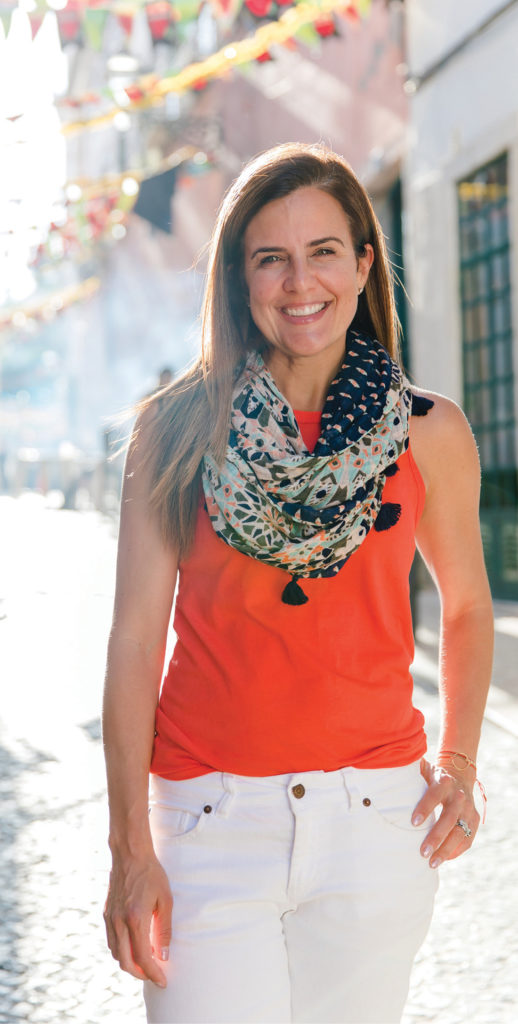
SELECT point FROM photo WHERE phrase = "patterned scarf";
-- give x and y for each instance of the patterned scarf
(307, 512)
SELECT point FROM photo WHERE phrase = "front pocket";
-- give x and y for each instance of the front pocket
(395, 802)
(400, 818)
(176, 824)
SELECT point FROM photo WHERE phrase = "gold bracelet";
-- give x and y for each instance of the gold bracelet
(450, 756)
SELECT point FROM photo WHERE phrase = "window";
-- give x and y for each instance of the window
(486, 328)
(487, 350)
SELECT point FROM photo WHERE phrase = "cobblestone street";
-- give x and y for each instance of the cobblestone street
(56, 590)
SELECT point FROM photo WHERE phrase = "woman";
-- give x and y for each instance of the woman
(286, 478)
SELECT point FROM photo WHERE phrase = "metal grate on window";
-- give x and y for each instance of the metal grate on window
(486, 327)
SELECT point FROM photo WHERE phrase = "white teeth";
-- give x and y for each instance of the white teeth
(304, 310)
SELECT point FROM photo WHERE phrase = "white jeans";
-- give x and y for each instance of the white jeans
(296, 898)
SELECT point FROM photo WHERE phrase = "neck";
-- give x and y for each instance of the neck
(303, 382)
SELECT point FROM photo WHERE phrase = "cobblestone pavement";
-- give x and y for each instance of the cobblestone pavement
(57, 577)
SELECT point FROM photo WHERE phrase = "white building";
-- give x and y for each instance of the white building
(461, 233)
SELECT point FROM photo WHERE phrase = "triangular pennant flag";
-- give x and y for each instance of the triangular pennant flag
(94, 22)
(160, 14)
(154, 200)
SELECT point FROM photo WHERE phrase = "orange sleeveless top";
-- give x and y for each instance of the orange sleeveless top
(257, 687)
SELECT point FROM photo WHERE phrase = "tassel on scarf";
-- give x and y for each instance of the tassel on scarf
(293, 593)
(421, 405)
(388, 516)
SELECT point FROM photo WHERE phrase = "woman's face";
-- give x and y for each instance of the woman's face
(303, 275)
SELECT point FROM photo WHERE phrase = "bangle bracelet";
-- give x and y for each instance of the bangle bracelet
(452, 755)
(449, 757)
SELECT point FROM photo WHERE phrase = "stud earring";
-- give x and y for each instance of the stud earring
(360, 291)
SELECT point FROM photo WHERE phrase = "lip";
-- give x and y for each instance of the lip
(309, 319)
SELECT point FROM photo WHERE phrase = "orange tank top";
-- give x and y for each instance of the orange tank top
(257, 687)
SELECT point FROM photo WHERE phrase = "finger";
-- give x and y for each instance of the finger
(442, 789)
(142, 952)
(111, 937)
(456, 843)
(161, 928)
(434, 795)
(442, 827)
(126, 959)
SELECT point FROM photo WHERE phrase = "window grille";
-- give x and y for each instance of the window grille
(487, 349)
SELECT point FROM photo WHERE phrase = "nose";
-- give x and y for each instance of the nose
(298, 275)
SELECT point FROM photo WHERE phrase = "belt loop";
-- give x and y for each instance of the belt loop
(351, 790)
(228, 783)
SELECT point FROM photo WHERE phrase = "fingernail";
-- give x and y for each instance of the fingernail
(436, 862)
(162, 984)
(426, 851)
(417, 819)
(164, 953)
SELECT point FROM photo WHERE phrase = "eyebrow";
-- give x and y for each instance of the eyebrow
(309, 245)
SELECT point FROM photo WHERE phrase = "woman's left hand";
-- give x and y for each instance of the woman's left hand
(447, 839)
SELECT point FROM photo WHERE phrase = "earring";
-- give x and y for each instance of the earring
(360, 291)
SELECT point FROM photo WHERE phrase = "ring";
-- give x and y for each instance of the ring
(464, 826)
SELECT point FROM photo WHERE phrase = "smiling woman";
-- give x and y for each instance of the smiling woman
(303, 294)
(282, 873)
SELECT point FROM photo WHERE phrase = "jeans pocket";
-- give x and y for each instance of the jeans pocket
(394, 803)
(177, 824)
(400, 818)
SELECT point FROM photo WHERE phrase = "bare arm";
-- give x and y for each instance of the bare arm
(146, 577)
(450, 543)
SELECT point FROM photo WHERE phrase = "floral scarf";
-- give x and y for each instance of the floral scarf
(307, 512)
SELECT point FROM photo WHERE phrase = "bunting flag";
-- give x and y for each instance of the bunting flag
(150, 90)
(154, 200)
(111, 184)
(48, 307)
(97, 208)
(85, 20)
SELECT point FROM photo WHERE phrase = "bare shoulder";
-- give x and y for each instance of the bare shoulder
(442, 440)
(140, 455)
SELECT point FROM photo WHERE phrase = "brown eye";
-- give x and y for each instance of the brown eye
(272, 258)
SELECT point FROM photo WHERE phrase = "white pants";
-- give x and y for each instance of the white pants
(295, 897)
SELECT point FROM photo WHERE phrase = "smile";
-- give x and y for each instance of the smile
(316, 307)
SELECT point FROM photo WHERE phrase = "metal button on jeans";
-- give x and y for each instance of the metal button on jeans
(298, 790)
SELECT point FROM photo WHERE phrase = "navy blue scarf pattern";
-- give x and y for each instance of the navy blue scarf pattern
(307, 512)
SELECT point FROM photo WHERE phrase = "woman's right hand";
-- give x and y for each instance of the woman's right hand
(139, 903)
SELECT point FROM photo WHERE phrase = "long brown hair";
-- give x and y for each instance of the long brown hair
(192, 415)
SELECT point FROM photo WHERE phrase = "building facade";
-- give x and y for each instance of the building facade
(461, 230)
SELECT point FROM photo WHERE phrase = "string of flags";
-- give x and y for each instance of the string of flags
(84, 22)
(95, 210)
(46, 309)
(150, 90)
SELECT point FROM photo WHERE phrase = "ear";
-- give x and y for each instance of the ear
(364, 265)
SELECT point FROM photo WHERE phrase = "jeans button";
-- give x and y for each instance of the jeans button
(298, 790)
